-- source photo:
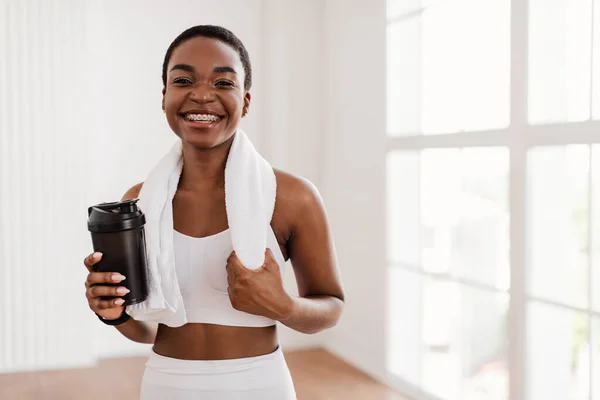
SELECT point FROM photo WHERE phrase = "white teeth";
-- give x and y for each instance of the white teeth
(202, 117)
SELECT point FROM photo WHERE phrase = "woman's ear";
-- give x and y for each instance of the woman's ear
(247, 100)
(162, 103)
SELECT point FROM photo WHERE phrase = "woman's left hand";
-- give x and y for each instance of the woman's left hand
(259, 291)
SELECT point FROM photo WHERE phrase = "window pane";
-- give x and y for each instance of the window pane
(596, 65)
(558, 220)
(448, 70)
(560, 34)
(464, 213)
(455, 347)
(464, 342)
(557, 353)
(404, 63)
(596, 227)
(404, 355)
(465, 66)
(449, 213)
(596, 358)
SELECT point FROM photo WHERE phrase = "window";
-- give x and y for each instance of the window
(449, 255)
(560, 61)
(563, 269)
(443, 78)
(493, 167)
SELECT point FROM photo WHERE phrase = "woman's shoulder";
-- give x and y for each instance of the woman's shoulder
(133, 192)
(297, 200)
(295, 191)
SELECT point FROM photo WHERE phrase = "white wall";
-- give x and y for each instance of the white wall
(318, 110)
(293, 76)
(324, 118)
(292, 130)
(43, 318)
(354, 174)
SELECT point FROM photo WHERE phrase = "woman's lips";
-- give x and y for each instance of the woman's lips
(202, 122)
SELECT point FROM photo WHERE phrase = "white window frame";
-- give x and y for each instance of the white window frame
(519, 137)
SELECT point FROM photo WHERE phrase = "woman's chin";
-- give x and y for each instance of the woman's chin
(205, 140)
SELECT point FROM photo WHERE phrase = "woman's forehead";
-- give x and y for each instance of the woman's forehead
(202, 52)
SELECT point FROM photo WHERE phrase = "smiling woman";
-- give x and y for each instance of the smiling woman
(228, 346)
(205, 90)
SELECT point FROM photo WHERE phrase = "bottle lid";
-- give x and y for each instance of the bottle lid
(116, 216)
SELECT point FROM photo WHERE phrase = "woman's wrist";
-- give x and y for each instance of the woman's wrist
(287, 308)
(124, 317)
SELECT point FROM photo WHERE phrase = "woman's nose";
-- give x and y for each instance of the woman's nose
(202, 93)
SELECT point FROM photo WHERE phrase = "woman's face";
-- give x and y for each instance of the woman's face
(204, 96)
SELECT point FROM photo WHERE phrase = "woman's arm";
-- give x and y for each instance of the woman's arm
(299, 209)
(312, 253)
(138, 331)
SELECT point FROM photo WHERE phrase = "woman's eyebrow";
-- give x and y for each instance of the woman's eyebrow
(189, 68)
(224, 69)
(184, 67)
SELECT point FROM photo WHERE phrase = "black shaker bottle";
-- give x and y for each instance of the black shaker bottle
(117, 231)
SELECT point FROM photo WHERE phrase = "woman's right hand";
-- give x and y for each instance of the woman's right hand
(95, 288)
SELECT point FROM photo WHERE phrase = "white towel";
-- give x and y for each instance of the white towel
(250, 189)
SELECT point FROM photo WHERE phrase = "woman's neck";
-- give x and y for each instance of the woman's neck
(204, 169)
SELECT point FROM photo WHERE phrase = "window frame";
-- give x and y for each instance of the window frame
(518, 137)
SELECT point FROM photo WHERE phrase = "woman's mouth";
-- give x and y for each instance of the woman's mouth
(202, 120)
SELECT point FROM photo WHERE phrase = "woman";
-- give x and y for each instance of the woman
(206, 81)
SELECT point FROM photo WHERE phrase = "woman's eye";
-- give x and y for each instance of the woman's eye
(224, 83)
(182, 81)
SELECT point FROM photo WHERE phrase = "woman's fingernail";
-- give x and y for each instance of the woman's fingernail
(122, 290)
(96, 255)
(117, 277)
(119, 302)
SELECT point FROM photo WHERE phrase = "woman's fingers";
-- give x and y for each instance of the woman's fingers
(105, 291)
(95, 278)
(99, 305)
(97, 289)
(92, 259)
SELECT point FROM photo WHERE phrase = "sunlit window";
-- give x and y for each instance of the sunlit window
(479, 201)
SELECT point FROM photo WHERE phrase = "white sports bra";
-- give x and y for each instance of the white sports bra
(202, 277)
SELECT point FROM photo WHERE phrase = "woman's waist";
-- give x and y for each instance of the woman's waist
(232, 375)
(202, 341)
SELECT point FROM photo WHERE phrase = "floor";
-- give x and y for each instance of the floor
(317, 375)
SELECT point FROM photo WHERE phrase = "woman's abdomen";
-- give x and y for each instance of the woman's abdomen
(200, 341)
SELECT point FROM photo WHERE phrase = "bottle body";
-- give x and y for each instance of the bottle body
(117, 231)
(125, 253)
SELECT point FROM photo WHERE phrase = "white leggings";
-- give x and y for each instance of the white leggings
(253, 378)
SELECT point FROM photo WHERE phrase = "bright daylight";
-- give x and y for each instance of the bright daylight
(493, 198)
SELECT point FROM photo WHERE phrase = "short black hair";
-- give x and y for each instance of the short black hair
(213, 32)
